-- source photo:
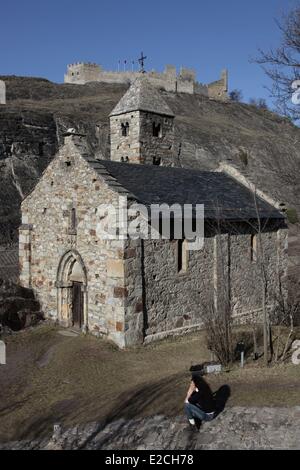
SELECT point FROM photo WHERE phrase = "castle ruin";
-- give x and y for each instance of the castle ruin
(168, 80)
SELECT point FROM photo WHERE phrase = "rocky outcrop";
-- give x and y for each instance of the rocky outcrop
(259, 143)
(18, 307)
(236, 428)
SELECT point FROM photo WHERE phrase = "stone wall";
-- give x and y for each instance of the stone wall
(135, 287)
(173, 299)
(45, 237)
(158, 148)
(125, 146)
(183, 82)
(27, 133)
(218, 90)
(177, 300)
(140, 146)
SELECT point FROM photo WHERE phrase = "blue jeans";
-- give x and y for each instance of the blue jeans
(192, 412)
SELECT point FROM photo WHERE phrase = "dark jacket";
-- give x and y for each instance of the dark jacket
(204, 397)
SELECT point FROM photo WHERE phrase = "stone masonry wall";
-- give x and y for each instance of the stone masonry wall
(173, 298)
(129, 146)
(140, 146)
(45, 238)
(156, 147)
(245, 274)
(81, 73)
(178, 299)
(168, 80)
(135, 288)
(218, 90)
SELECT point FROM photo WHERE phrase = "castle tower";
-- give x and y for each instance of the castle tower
(82, 72)
(142, 126)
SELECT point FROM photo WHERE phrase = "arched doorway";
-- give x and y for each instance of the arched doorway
(72, 291)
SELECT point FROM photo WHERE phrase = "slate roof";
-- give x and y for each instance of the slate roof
(223, 197)
(142, 96)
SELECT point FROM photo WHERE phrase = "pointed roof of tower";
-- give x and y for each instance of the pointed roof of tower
(142, 96)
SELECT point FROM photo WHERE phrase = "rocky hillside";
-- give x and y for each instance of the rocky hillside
(237, 428)
(261, 144)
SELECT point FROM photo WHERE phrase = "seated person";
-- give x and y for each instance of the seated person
(199, 401)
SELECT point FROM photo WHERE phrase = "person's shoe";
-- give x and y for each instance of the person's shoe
(198, 423)
(192, 422)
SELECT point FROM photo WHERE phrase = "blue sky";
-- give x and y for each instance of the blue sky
(39, 38)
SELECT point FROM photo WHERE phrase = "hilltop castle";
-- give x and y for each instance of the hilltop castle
(184, 82)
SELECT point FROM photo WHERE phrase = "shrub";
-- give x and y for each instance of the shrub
(292, 215)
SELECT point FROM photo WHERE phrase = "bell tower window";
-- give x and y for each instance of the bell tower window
(125, 129)
(156, 129)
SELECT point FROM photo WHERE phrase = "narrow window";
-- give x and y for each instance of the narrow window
(182, 256)
(41, 149)
(157, 161)
(253, 249)
(73, 221)
(125, 129)
(156, 130)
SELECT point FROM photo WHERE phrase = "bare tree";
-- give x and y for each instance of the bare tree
(218, 327)
(260, 103)
(261, 259)
(282, 64)
(286, 316)
(218, 318)
(236, 95)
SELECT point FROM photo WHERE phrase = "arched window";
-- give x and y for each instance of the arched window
(125, 129)
(156, 130)
(41, 149)
(73, 221)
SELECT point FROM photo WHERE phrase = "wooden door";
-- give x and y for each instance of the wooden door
(77, 305)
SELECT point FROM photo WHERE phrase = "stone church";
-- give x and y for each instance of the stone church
(136, 290)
